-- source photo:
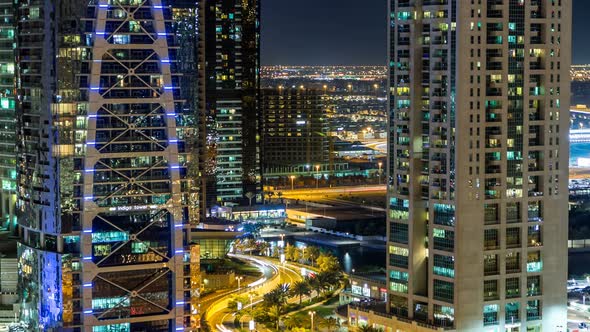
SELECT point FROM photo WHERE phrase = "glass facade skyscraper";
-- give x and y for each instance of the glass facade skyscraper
(478, 163)
(7, 118)
(106, 141)
(230, 101)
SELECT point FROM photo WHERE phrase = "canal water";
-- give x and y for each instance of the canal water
(358, 258)
(579, 150)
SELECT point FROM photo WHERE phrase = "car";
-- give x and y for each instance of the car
(582, 325)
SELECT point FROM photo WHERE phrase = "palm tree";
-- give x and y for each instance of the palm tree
(263, 247)
(322, 282)
(314, 284)
(277, 296)
(328, 262)
(249, 196)
(311, 254)
(292, 322)
(275, 312)
(284, 290)
(300, 288)
(272, 298)
(290, 252)
(368, 328)
(331, 324)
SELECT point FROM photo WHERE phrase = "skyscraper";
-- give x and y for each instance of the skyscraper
(229, 100)
(106, 131)
(7, 119)
(478, 163)
(294, 126)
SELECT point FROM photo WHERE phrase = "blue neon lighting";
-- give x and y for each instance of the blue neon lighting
(165, 60)
(87, 231)
(161, 34)
(99, 33)
(168, 88)
(180, 303)
(173, 141)
(89, 170)
(94, 88)
(90, 143)
(87, 198)
(179, 251)
(178, 225)
(158, 6)
(87, 258)
(171, 114)
(88, 285)
(180, 329)
(175, 167)
(88, 311)
(92, 115)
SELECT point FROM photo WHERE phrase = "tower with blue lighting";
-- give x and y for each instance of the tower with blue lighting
(106, 159)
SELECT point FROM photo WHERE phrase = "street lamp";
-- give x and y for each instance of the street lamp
(380, 164)
(292, 177)
(312, 314)
(239, 279)
(317, 176)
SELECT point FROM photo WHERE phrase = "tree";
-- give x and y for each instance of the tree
(327, 262)
(297, 323)
(331, 324)
(368, 328)
(278, 296)
(249, 196)
(311, 254)
(274, 314)
(314, 284)
(300, 288)
(263, 247)
(290, 252)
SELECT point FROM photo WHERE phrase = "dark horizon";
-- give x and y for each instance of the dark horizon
(349, 32)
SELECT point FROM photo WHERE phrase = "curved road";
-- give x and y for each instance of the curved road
(219, 317)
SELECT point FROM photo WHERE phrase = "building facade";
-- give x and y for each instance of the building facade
(7, 118)
(229, 99)
(478, 163)
(295, 128)
(106, 131)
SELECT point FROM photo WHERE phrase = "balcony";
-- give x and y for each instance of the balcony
(494, 13)
(494, 65)
(493, 92)
(435, 2)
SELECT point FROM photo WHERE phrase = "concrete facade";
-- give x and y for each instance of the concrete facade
(479, 118)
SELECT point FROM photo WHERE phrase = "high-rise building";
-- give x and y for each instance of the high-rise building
(106, 129)
(230, 118)
(294, 127)
(7, 118)
(478, 163)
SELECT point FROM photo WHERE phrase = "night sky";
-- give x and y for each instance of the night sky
(353, 32)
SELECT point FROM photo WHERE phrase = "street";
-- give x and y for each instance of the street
(217, 314)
